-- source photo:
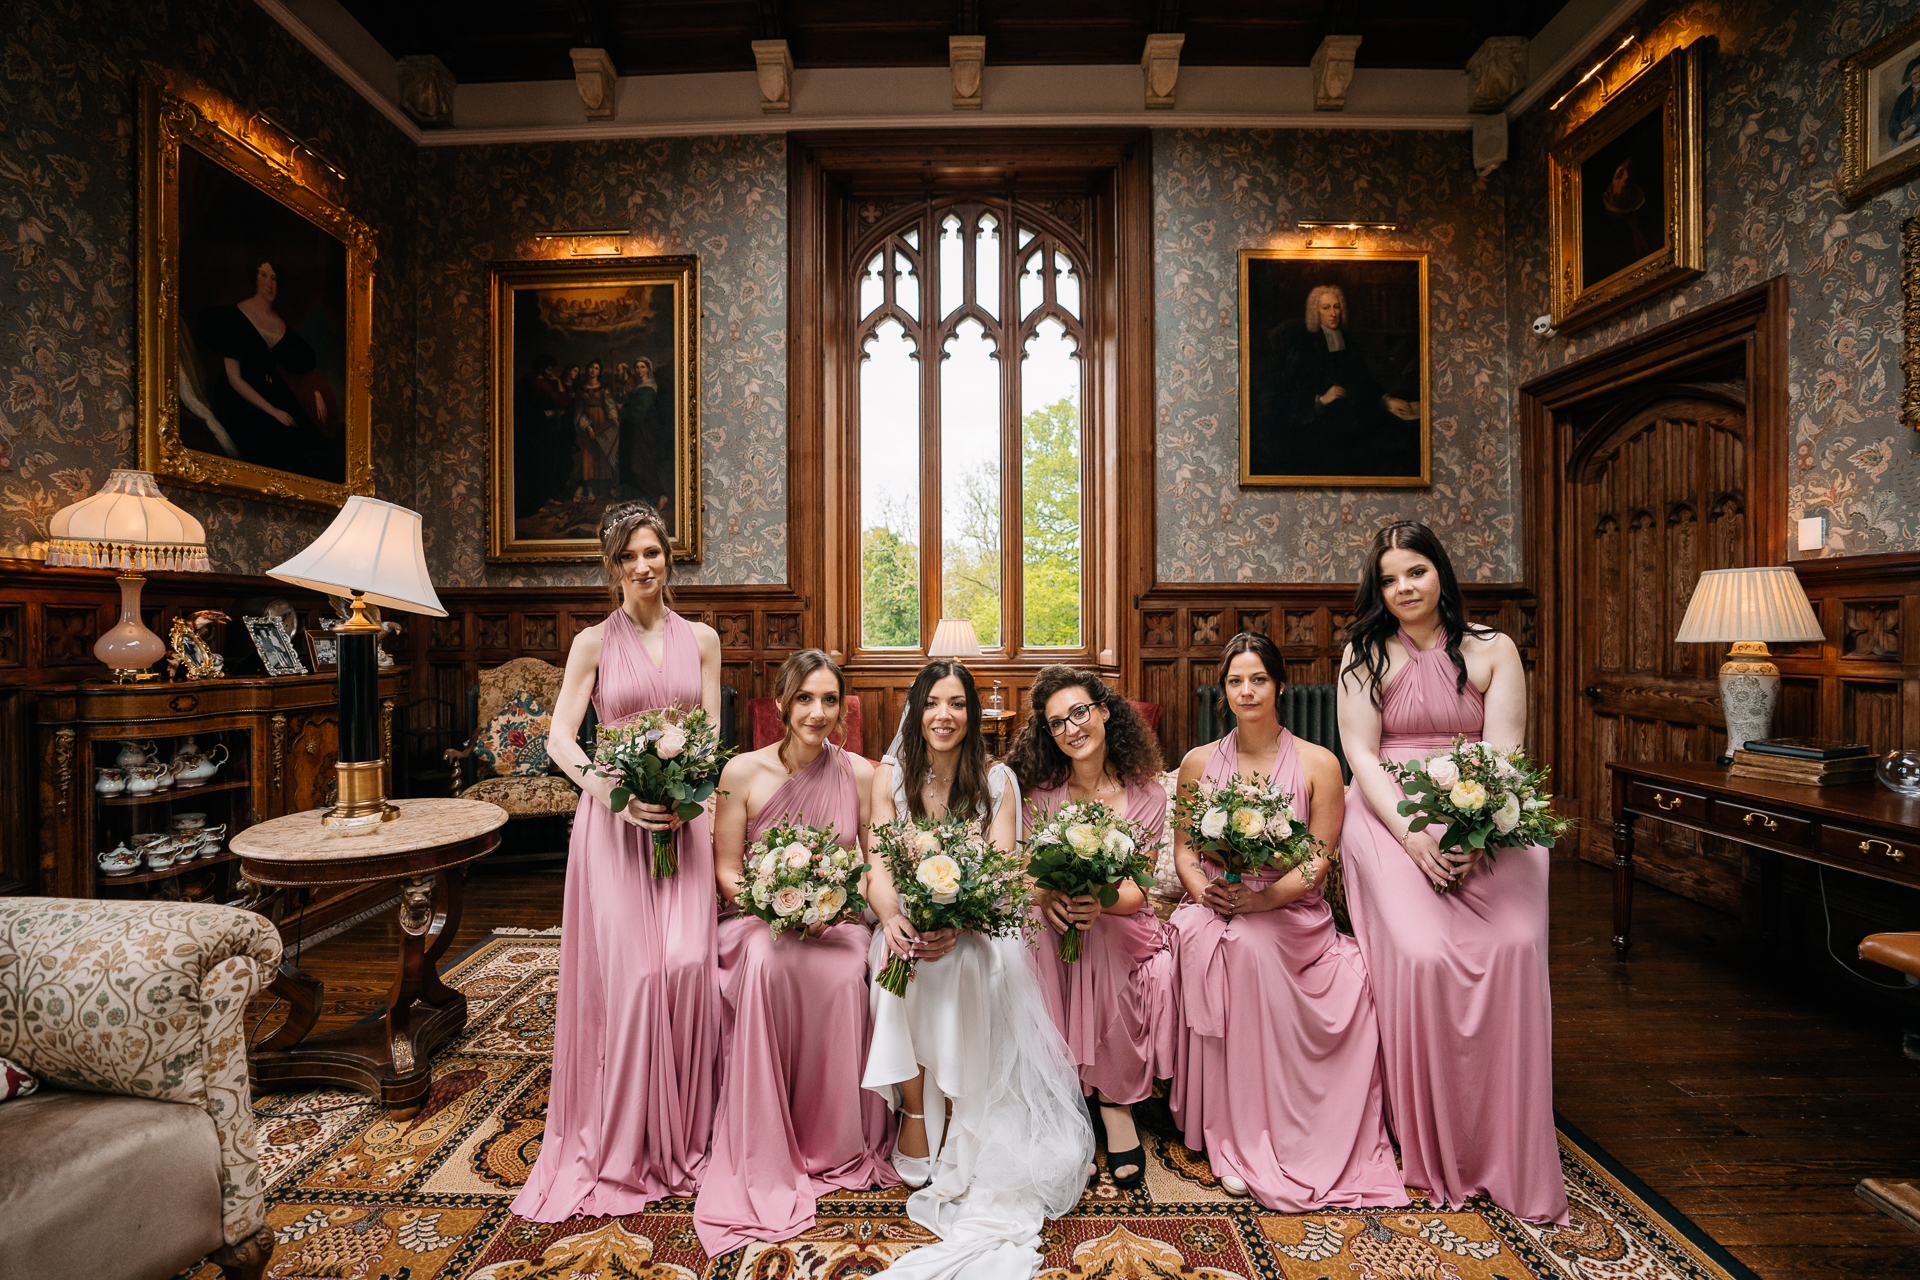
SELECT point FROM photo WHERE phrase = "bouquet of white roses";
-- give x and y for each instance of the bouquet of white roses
(1087, 848)
(1486, 799)
(665, 756)
(1244, 826)
(798, 877)
(947, 877)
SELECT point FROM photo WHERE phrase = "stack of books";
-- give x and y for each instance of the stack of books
(1806, 762)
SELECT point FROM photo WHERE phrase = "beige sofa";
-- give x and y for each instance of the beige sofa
(137, 1158)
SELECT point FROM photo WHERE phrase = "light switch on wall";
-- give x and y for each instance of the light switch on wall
(1813, 533)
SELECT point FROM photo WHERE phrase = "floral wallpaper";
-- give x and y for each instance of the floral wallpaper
(722, 198)
(1772, 120)
(1219, 191)
(68, 406)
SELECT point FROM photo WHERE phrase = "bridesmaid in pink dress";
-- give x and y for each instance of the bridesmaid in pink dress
(637, 1026)
(1083, 741)
(1277, 1061)
(1460, 980)
(793, 1122)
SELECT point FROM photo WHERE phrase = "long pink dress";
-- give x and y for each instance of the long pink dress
(1460, 980)
(1277, 1063)
(793, 1122)
(637, 1024)
(1108, 1003)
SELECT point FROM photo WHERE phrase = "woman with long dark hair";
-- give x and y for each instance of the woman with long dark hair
(1459, 979)
(973, 1028)
(795, 1018)
(1276, 1065)
(637, 1022)
(1083, 741)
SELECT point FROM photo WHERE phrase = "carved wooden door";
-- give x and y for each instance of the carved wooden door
(1660, 494)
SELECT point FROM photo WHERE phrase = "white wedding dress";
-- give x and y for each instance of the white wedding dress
(1016, 1150)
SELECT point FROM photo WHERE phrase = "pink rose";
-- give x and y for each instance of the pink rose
(1444, 772)
(797, 856)
(671, 743)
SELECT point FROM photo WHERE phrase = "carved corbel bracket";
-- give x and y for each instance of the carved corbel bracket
(1497, 72)
(1333, 72)
(595, 77)
(967, 56)
(1160, 67)
(773, 63)
(426, 90)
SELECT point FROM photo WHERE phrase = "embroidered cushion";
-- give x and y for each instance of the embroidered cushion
(514, 743)
(14, 1082)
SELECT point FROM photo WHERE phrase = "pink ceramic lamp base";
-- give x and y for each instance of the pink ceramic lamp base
(129, 649)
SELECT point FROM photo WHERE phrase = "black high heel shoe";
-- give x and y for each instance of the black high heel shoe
(1137, 1157)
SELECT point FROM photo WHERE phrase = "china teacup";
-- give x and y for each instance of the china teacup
(144, 779)
(188, 821)
(163, 853)
(111, 781)
(209, 846)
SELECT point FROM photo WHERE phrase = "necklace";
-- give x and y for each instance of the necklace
(933, 777)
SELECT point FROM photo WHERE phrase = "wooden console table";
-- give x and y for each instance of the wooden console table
(1863, 828)
(426, 848)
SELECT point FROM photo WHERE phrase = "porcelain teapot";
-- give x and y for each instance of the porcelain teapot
(195, 768)
(134, 753)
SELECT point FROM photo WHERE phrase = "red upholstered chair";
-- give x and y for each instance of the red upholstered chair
(764, 714)
(1150, 711)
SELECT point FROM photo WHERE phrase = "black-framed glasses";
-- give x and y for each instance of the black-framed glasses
(1078, 714)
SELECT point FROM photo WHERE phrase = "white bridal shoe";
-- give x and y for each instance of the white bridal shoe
(917, 1171)
(1232, 1185)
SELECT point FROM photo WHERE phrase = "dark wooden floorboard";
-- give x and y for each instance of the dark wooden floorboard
(1749, 1099)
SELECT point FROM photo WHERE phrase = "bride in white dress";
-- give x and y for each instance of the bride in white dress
(972, 1030)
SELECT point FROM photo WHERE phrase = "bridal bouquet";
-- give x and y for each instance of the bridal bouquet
(665, 756)
(1486, 799)
(949, 878)
(1087, 848)
(1244, 826)
(798, 877)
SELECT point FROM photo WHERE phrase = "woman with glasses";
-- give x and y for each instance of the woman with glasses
(972, 1029)
(1083, 741)
(1276, 1071)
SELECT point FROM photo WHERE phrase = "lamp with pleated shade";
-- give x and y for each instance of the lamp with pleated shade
(372, 552)
(954, 638)
(1748, 609)
(130, 526)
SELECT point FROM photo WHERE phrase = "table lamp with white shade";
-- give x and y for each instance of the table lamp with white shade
(954, 638)
(373, 553)
(1749, 609)
(130, 526)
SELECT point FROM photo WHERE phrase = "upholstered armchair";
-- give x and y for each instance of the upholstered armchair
(137, 1158)
(522, 796)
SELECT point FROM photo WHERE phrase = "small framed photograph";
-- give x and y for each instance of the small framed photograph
(275, 647)
(1880, 136)
(1624, 207)
(323, 648)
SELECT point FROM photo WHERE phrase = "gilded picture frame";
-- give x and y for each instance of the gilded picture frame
(1316, 410)
(228, 200)
(1880, 114)
(595, 401)
(1624, 203)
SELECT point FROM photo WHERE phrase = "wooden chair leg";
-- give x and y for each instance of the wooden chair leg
(247, 1260)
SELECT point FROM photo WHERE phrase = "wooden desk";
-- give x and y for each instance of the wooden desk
(1863, 828)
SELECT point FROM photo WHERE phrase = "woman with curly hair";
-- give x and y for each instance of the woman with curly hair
(1082, 741)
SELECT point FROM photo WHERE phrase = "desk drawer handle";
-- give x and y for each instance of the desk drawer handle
(1667, 803)
(1762, 819)
(1866, 846)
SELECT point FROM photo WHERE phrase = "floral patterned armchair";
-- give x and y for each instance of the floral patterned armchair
(522, 796)
(140, 1157)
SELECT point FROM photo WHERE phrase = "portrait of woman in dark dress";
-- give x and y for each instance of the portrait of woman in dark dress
(263, 386)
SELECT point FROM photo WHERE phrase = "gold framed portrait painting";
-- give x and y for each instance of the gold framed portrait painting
(256, 307)
(1624, 204)
(1880, 138)
(596, 376)
(1334, 369)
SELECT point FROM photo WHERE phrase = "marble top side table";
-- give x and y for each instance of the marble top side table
(427, 849)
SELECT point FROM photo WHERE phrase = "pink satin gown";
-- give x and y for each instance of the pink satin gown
(1460, 980)
(1277, 1063)
(1109, 1004)
(637, 1024)
(793, 1122)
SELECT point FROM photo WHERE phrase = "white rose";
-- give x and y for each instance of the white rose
(672, 741)
(790, 900)
(923, 843)
(1443, 771)
(828, 902)
(765, 866)
(1507, 816)
(798, 856)
(1468, 796)
(1213, 824)
(1119, 843)
(843, 857)
(1249, 823)
(762, 894)
(1084, 839)
(941, 875)
(1280, 825)
(811, 916)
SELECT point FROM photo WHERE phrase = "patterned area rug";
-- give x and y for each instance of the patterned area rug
(356, 1196)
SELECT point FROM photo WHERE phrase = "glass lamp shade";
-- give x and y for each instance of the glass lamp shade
(373, 550)
(954, 638)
